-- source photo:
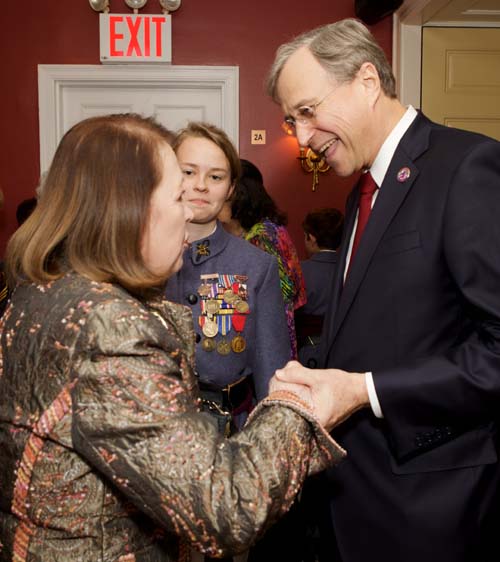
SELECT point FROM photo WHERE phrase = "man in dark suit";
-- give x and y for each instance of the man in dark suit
(412, 346)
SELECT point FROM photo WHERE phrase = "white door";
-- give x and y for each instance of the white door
(174, 95)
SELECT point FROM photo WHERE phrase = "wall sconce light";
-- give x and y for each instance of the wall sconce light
(309, 160)
(288, 130)
(170, 5)
(136, 5)
(99, 5)
(312, 163)
(167, 5)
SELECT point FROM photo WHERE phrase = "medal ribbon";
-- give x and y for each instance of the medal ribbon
(239, 322)
(202, 316)
(224, 324)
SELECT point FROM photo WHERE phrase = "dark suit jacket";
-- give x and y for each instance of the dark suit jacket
(420, 309)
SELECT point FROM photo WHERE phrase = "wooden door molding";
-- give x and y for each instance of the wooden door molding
(408, 21)
(54, 81)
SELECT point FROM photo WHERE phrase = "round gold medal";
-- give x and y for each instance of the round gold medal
(210, 328)
(242, 306)
(238, 344)
(204, 289)
(224, 347)
(229, 296)
(208, 344)
(212, 306)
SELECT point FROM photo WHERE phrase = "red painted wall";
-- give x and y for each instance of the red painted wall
(225, 32)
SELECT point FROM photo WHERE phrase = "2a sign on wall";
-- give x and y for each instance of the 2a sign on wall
(135, 37)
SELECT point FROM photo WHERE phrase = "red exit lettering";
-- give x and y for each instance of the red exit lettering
(135, 36)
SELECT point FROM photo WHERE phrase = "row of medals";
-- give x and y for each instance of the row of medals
(210, 328)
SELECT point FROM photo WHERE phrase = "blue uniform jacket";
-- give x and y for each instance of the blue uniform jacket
(318, 273)
(254, 275)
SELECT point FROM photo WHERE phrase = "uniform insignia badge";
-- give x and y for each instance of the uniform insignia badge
(241, 306)
(204, 289)
(212, 306)
(223, 307)
(229, 296)
(238, 344)
(224, 347)
(210, 328)
(208, 344)
(202, 250)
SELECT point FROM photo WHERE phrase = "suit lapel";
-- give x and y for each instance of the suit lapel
(391, 196)
(338, 280)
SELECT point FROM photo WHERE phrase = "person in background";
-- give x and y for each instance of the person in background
(252, 214)
(4, 290)
(105, 452)
(24, 209)
(322, 234)
(412, 334)
(232, 288)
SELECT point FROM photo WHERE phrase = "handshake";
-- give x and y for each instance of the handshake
(332, 394)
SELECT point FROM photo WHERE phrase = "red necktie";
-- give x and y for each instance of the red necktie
(367, 188)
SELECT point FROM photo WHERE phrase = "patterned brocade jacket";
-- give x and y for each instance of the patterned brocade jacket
(105, 453)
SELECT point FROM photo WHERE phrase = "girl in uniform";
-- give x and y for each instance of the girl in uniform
(232, 287)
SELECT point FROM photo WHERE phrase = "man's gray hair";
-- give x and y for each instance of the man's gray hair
(341, 48)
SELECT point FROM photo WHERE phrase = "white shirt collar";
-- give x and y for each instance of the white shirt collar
(387, 150)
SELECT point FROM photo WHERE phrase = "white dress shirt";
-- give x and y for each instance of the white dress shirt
(378, 170)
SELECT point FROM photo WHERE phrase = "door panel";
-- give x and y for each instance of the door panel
(173, 107)
(461, 78)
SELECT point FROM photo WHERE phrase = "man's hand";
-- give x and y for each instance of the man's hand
(301, 390)
(335, 394)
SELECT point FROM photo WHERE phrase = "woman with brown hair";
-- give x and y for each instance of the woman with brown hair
(105, 452)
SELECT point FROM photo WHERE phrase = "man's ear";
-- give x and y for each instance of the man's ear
(369, 80)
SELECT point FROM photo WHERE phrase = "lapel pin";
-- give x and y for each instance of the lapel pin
(403, 174)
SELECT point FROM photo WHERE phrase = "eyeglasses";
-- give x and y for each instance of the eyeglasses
(305, 114)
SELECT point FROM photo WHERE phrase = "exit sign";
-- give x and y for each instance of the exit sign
(135, 37)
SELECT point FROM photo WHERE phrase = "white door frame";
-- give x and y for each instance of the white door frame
(54, 79)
